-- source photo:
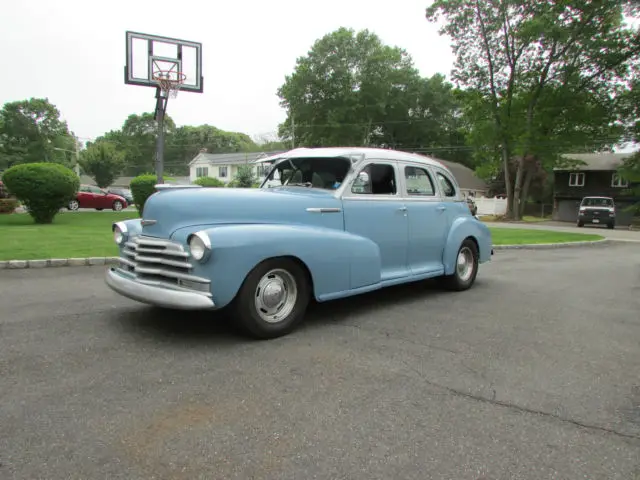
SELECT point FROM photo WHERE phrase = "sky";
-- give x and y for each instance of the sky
(73, 52)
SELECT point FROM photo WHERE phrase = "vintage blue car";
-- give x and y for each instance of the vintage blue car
(326, 223)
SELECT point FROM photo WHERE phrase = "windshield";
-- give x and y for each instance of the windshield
(327, 173)
(597, 202)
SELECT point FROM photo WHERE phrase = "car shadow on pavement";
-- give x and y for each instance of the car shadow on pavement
(219, 327)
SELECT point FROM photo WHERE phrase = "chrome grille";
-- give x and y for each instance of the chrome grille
(160, 262)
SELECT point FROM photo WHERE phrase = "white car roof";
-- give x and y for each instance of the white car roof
(365, 152)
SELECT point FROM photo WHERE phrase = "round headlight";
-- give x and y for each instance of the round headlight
(119, 233)
(199, 245)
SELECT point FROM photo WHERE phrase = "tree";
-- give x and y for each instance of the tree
(541, 76)
(103, 162)
(245, 178)
(351, 89)
(32, 131)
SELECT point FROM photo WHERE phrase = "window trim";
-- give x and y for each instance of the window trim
(578, 175)
(220, 170)
(202, 169)
(347, 194)
(405, 191)
(621, 183)
(458, 194)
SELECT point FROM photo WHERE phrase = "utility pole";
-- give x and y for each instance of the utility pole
(293, 131)
(76, 168)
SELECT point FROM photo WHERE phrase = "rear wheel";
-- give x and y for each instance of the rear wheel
(117, 205)
(273, 298)
(580, 224)
(73, 205)
(466, 268)
(611, 225)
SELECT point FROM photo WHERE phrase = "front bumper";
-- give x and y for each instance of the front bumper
(157, 295)
(597, 219)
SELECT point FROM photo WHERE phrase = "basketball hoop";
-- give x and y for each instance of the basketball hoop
(169, 81)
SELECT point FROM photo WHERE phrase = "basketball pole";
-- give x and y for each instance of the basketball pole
(161, 107)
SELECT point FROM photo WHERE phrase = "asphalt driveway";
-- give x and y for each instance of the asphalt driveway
(533, 374)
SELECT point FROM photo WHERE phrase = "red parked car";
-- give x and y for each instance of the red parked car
(93, 197)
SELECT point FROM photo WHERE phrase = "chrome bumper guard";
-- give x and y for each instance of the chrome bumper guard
(156, 293)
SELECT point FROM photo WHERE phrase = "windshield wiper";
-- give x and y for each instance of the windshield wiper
(305, 184)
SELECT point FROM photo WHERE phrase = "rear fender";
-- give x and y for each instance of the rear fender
(337, 261)
(464, 227)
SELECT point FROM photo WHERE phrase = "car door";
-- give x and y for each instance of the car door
(373, 208)
(85, 197)
(428, 223)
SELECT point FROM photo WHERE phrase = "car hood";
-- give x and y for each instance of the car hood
(169, 210)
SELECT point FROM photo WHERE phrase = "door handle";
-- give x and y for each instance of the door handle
(441, 208)
(403, 208)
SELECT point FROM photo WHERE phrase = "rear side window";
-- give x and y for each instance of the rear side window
(446, 185)
(418, 182)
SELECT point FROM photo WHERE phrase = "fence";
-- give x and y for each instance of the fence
(491, 206)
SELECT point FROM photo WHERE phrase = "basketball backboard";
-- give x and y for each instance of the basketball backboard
(149, 54)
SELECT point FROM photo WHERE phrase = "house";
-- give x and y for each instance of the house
(595, 174)
(224, 166)
(124, 182)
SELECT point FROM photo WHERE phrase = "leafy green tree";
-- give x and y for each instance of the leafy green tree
(541, 77)
(32, 131)
(245, 178)
(103, 162)
(351, 89)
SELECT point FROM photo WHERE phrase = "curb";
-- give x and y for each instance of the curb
(549, 246)
(57, 262)
(95, 261)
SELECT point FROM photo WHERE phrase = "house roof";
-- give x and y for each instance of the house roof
(595, 161)
(466, 177)
(229, 158)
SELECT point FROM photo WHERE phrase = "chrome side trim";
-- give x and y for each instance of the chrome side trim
(324, 210)
(145, 222)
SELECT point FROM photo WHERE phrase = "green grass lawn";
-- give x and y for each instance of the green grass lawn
(79, 234)
(520, 236)
(88, 234)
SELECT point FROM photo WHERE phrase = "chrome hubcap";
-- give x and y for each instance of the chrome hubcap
(73, 205)
(118, 206)
(276, 296)
(465, 264)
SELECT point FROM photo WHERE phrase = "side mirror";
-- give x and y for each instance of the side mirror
(363, 177)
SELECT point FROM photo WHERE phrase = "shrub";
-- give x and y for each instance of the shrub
(142, 187)
(245, 178)
(209, 182)
(8, 205)
(43, 188)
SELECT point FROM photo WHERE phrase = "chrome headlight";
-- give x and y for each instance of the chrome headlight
(199, 245)
(119, 233)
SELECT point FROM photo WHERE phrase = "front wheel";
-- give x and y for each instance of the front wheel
(466, 268)
(117, 206)
(273, 299)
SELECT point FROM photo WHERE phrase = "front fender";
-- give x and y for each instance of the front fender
(134, 228)
(337, 261)
(463, 227)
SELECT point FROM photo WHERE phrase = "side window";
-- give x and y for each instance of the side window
(95, 190)
(447, 186)
(419, 182)
(375, 179)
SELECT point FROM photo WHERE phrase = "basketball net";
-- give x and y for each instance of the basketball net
(169, 82)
